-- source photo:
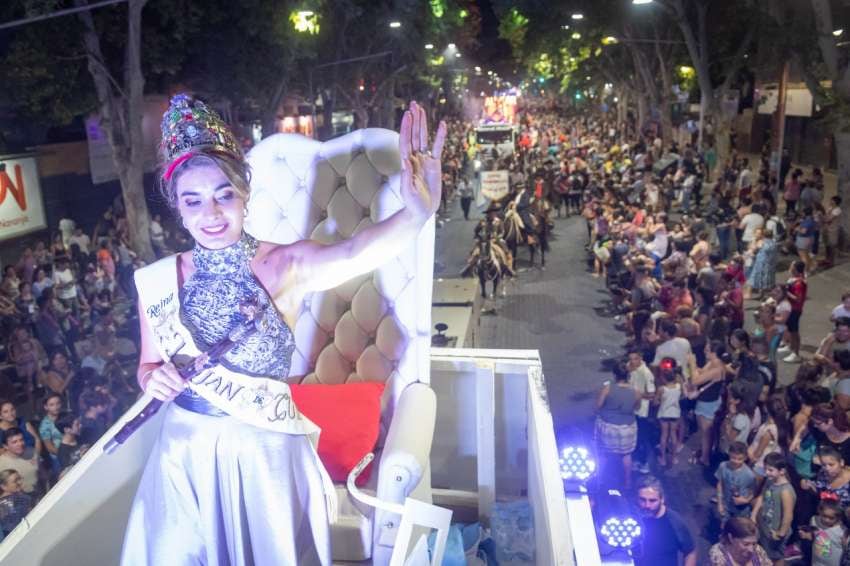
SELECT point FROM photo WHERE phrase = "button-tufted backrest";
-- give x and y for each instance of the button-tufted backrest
(375, 326)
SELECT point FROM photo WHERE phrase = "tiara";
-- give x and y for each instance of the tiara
(189, 124)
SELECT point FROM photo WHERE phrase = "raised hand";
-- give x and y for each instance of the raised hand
(421, 177)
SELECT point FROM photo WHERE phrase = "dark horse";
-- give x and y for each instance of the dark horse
(490, 259)
(527, 222)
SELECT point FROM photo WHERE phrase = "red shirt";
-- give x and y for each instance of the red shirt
(797, 287)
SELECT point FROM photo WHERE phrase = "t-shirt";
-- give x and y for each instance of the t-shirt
(27, 469)
(827, 544)
(83, 241)
(797, 287)
(47, 431)
(663, 539)
(840, 312)
(68, 455)
(770, 513)
(61, 278)
(90, 430)
(751, 222)
(644, 382)
(677, 348)
(740, 482)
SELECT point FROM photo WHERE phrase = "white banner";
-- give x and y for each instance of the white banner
(495, 184)
(21, 207)
(798, 101)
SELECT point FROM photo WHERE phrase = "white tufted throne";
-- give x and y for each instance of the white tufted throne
(375, 327)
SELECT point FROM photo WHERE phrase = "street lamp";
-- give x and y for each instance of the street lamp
(576, 35)
(452, 46)
(577, 16)
(641, 2)
(838, 32)
(429, 46)
(395, 24)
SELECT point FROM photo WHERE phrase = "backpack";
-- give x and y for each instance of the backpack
(779, 230)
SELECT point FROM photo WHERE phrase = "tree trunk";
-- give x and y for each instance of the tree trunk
(722, 129)
(121, 108)
(642, 107)
(666, 115)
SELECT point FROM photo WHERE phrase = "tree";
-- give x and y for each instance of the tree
(120, 104)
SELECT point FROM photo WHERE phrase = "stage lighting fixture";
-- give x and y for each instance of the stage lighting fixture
(620, 532)
(577, 464)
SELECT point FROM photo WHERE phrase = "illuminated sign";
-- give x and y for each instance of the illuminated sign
(21, 208)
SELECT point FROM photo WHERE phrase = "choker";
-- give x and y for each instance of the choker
(226, 260)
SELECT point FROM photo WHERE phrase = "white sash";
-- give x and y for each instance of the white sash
(258, 401)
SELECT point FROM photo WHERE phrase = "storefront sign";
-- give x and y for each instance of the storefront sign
(21, 207)
(494, 184)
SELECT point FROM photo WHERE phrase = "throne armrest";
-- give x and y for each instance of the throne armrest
(407, 447)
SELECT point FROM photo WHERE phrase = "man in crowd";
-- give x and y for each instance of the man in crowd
(12, 458)
(665, 536)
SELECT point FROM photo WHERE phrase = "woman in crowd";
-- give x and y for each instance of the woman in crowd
(738, 545)
(762, 276)
(831, 428)
(616, 426)
(9, 419)
(707, 385)
(59, 374)
(832, 480)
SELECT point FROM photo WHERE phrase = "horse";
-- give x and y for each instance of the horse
(489, 259)
(529, 226)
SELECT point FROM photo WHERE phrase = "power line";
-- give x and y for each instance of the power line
(57, 14)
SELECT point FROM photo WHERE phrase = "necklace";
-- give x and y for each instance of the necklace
(229, 259)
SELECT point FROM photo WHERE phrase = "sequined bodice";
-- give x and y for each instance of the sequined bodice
(209, 308)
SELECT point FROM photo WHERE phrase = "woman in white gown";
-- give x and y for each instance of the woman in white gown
(218, 490)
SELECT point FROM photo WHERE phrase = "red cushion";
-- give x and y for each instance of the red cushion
(349, 416)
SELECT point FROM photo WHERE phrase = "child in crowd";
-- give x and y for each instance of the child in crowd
(826, 532)
(669, 411)
(773, 509)
(736, 484)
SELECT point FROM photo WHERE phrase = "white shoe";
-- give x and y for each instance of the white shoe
(783, 349)
(792, 358)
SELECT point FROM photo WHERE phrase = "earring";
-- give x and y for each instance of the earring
(245, 212)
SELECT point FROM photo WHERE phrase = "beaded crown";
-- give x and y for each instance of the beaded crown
(189, 124)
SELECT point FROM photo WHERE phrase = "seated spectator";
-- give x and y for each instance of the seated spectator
(736, 484)
(738, 545)
(9, 286)
(28, 356)
(10, 420)
(59, 374)
(13, 458)
(41, 282)
(14, 502)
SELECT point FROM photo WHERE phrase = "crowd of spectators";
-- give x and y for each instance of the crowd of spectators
(707, 266)
(67, 315)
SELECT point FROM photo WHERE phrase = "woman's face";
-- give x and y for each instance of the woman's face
(822, 425)
(210, 207)
(40, 275)
(832, 466)
(53, 406)
(8, 413)
(59, 360)
(14, 484)
(743, 547)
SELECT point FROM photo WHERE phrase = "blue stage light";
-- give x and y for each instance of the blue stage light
(620, 532)
(577, 464)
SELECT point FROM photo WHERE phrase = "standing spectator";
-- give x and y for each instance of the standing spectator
(804, 239)
(668, 397)
(616, 427)
(50, 434)
(831, 230)
(826, 532)
(750, 223)
(773, 509)
(797, 288)
(93, 423)
(58, 249)
(708, 384)
(11, 281)
(836, 341)
(671, 346)
(65, 284)
(157, 233)
(81, 240)
(643, 381)
(105, 260)
(762, 276)
(738, 545)
(843, 309)
(13, 458)
(771, 436)
(665, 535)
(792, 191)
(736, 484)
(66, 229)
(27, 265)
(14, 503)
(47, 326)
(832, 480)
(464, 191)
(27, 355)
